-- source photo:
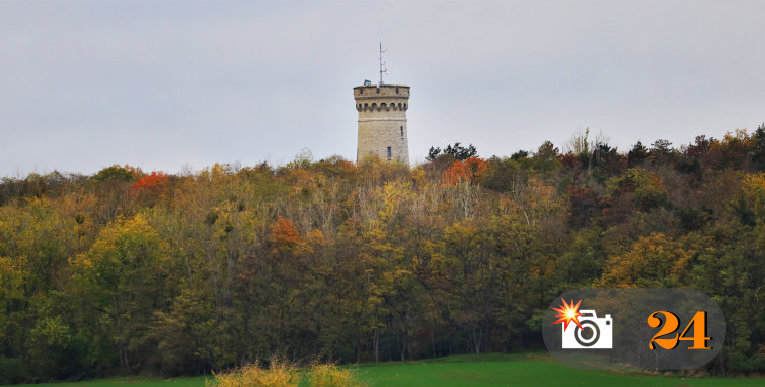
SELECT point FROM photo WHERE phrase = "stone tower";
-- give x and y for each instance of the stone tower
(382, 121)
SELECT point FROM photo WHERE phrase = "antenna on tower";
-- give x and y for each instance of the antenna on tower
(383, 65)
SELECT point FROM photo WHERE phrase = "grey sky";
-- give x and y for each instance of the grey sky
(167, 84)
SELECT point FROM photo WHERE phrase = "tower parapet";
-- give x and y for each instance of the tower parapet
(382, 121)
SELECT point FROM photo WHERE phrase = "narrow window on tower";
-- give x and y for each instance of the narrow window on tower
(388, 153)
(402, 131)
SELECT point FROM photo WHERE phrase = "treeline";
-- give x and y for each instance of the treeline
(125, 272)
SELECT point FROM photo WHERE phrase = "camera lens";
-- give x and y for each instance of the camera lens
(591, 340)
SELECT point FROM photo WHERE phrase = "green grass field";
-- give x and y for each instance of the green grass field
(467, 370)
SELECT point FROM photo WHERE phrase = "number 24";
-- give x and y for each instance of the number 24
(699, 322)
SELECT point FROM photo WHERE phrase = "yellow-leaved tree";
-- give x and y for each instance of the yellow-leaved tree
(122, 279)
(656, 260)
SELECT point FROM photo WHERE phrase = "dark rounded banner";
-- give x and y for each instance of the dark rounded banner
(653, 329)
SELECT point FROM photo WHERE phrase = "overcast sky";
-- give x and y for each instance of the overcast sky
(171, 85)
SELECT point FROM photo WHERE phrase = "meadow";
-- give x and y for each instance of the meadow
(493, 369)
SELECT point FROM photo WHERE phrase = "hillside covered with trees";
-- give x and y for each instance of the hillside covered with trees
(125, 272)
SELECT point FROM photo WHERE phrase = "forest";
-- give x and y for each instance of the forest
(127, 272)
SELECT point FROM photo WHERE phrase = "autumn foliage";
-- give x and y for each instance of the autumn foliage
(468, 170)
(287, 239)
(126, 273)
(152, 181)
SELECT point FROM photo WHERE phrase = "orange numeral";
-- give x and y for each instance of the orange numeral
(669, 326)
(699, 338)
(699, 322)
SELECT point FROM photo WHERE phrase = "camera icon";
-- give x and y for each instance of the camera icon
(600, 332)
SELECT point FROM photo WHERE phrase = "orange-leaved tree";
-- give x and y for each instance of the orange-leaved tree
(150, 187)
(286, 238)
(469, 170)
(154, 180)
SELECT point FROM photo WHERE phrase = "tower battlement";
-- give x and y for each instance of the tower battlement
(386, 90)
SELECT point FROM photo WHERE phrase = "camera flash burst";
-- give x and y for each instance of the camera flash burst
(568, 313)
